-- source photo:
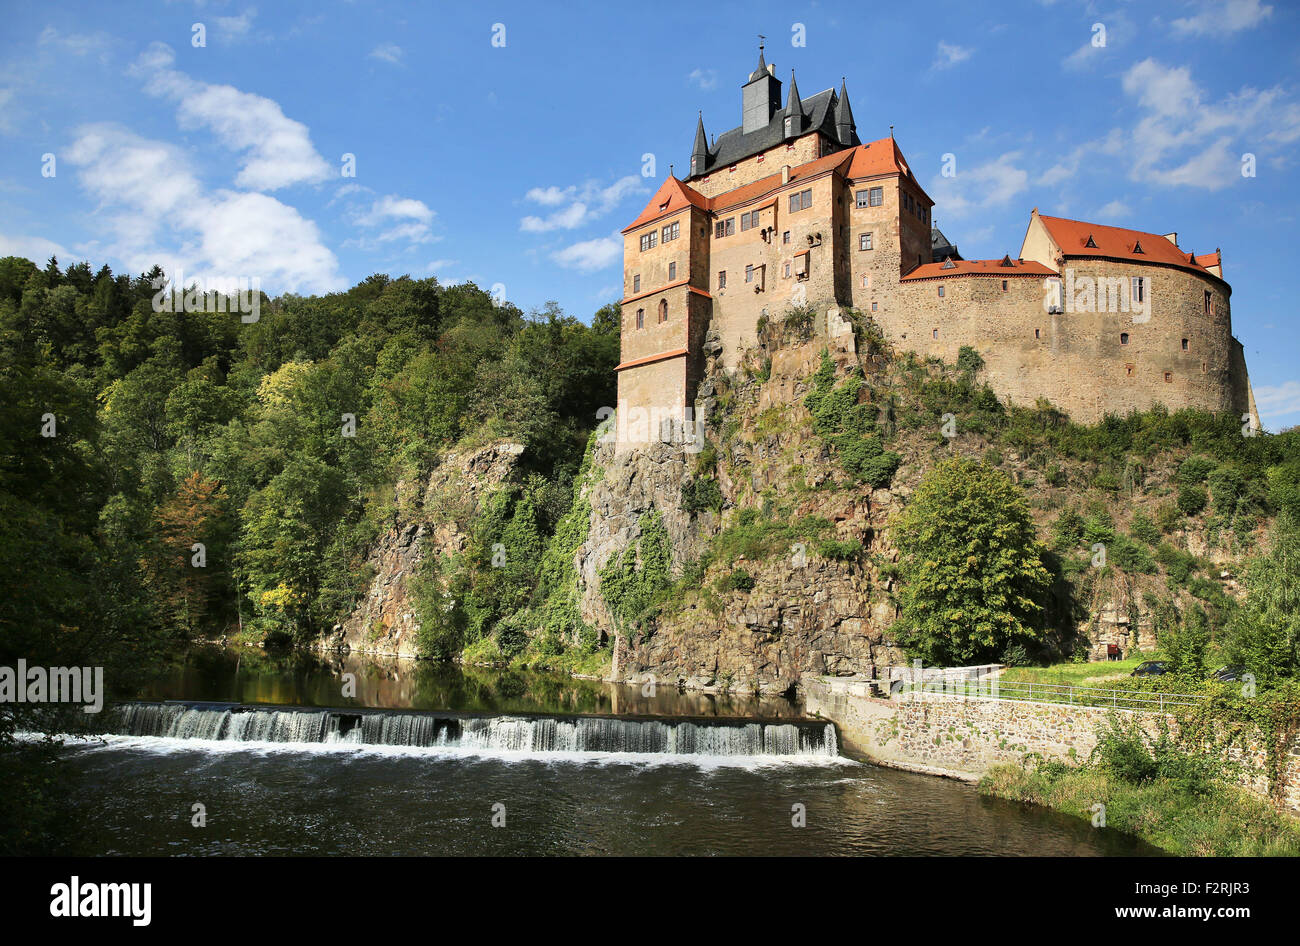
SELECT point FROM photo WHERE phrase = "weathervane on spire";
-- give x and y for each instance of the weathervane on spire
(761, 38)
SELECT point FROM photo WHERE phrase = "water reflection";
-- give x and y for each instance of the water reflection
(249, 675)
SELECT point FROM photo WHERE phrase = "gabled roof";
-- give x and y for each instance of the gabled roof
(1004, 268)
(882, 157)
(672, 196)
(1074, 238)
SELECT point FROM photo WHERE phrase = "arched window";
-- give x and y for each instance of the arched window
(663, 310)
(640, 318)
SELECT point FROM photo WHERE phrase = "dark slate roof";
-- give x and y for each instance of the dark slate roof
(733, 146)
(940, 248)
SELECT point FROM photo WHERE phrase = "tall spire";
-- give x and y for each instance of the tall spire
(699, 153)
(793, 110)
(762, 63)
(844, 126)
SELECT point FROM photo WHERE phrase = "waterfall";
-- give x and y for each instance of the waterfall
(248, 723)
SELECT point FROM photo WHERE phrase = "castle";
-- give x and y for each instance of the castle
(792, 209)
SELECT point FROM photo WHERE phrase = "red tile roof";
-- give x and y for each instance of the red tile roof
(661, 356)
(672, 196)
(979, 267)
(868, 160)
(1118, 243)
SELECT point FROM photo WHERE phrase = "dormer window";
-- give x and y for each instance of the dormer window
(1137, 246)
(1090, 244)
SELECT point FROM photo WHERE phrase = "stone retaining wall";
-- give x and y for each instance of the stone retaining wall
(962, 737)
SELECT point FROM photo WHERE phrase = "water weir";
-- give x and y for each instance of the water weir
(235, 722)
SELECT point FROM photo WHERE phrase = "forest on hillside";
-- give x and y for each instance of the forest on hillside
(129, 436)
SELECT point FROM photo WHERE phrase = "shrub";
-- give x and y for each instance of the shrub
(1143, 529)
(1194, 469)
(1192, 499)
(737, 580)
(701, 493)
(840, 551)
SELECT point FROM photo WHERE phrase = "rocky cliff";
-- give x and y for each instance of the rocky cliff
(432, 517)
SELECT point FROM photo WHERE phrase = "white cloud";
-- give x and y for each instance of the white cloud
(37, 249)
(1115, 210)
(76, 44)
(950, 54)
(388, 52)
(992, 184)
(591, 255)
(276, 150)
(405, 217)
(578, 205)
(704, 79)
(1186, 140)
(235, 28)
(1223, 19)
(1278, 400)
(156, 210)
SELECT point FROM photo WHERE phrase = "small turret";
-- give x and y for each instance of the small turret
(700, 153)
(793, 111)
(845, 129)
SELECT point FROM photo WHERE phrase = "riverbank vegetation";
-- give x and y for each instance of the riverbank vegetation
(1157, 788)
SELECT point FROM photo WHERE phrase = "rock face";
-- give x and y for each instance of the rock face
(805, 613)
(435, 515)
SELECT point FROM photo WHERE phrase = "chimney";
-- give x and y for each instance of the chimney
(1172, 237)
(785, 174)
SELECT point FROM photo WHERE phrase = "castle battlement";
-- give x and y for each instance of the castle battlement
(792, 209)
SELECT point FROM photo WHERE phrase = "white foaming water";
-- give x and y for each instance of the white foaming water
(500, 735)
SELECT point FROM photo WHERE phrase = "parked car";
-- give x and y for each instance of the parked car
(1150, 668)
(1228, 674)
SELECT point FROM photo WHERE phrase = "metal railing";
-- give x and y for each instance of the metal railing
(993, 689)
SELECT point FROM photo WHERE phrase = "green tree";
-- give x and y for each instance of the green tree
(1264, 634)
(973, 579)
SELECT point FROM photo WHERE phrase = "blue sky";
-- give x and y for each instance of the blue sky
(516, 162)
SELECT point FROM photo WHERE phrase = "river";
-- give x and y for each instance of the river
(467, 761)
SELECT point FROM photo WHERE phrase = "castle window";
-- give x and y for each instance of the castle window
(1169, 377)
(862, 198)
(876, 196)
(1184, 344)
(873, 307)
(1139, 292)
(866, 281)
(790, 146)
(1038, 333)
(1123, 338)
(785, 237)
(725, 227)
(801, 266)
(787, 270)
(749, 273)
(941, 292)
(760, 159)
(663, 310)
(672, 231)
(748, 221)
(648, 240)
(1128, 371)
(731, 170)
(640, 318)
(1204, 367)
(1209, 304)
(636, 283)
(934, 334)
(722, 279)
(801, 200)
(864, 241)
(1004, 285)
(672, 271)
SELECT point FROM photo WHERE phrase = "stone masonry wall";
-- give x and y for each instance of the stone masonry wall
(963, 737)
